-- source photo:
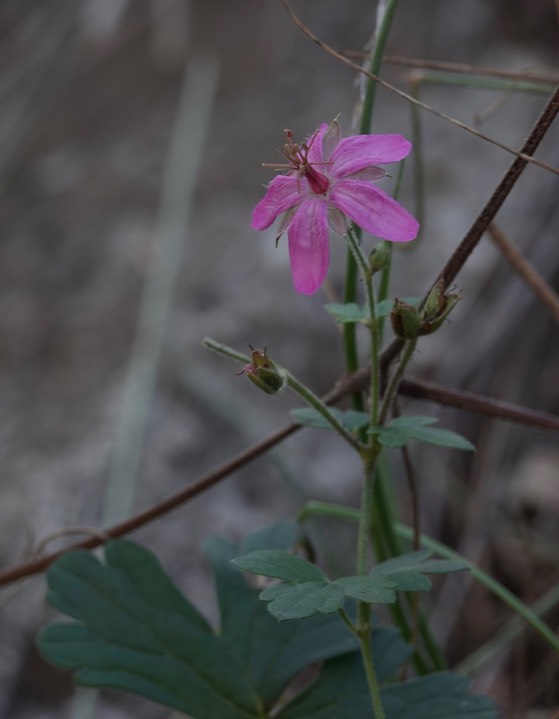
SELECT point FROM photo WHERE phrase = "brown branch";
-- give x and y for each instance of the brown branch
(411, 388)
(406, 96)
(545, 294)
(487, 215)
(536, 76)
(503, 189)
(470, 402)
(96, 539)
(41, 563)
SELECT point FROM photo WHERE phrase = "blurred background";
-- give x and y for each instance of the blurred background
(93, 204)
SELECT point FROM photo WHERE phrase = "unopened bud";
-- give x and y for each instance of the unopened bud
(379, 257)
(436, 309)
(406, 321)
(263, 372)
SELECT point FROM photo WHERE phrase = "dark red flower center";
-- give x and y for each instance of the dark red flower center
(297, 157)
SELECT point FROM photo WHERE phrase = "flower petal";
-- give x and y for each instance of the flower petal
(309, 248)
(374, 211)
(360, 151)
(337, 220)
(281, 195)
(316, 144)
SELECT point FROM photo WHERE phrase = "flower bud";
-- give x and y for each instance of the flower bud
(406, 321)
(263, 372)
(379, 257)
(436, 309)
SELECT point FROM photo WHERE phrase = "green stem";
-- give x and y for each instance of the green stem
(371, 673)
(525, 612)
(363, 608)
(350, 291)
(365, 516)
(314, 401)
(224, 350)
(298, 387)
(347, 621)
(349, 514)
(379, 41)
(507, 635)
(528, 614)
(363, 264)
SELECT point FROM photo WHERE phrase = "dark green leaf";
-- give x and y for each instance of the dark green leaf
(438, 696)
(392, 438)
(302, 600)
(400, 430)
(410, 423)
(410, 560)
(384, 308)
(309, 417)
(443, 438)
(405, 569)
(353, 419)
(341, 691)
(274, 653)
(375, 590)
(411, 582)
(349, 312)
(283, 535)
(443, 566)
(281, 565)
(137, 633)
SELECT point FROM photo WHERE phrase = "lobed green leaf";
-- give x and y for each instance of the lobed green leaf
(280, 565)
(402, 429)
(302, 600)
(374, 590)
(349, 312)
(137, 633)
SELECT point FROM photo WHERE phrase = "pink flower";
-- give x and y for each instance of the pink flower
(328, 182)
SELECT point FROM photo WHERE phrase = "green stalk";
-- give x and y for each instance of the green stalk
(349, 514)
(365, 518)
(507, 635)
(371, 674)
(224, 350)
(495, 587)
(528, 614)
(350, 292)
(298, 387)
(314, 401)
(361, 260)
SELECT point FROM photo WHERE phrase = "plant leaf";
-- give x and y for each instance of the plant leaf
(384, 308)
(400, 430)
(349, 312)
(283, 535)
(302, 600)
(341, 691)
(411, 582)
(280, 565)
(375, 590)
(437, 696)
(136, 632)
(408, 570)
